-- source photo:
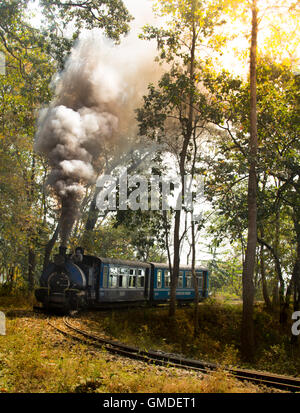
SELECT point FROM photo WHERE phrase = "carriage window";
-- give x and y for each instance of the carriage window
(167, 279)
(141, 281)
(132, 281)
(105, 276)
(180, 280)
(113, 279)
(141, 278)
(200, 279)
(188, 279)
(132, 278)
(159, 272)
(123, 280)
(204, 280)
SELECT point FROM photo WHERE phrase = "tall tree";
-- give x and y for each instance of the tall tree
(168, 115)
(277, 174)
(268, 8)
(32, 55)
(247, 338)
(23, 88)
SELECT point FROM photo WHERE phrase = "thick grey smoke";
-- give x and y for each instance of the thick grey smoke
(92, 114)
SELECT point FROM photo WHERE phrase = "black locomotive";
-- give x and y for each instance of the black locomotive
(78, 281)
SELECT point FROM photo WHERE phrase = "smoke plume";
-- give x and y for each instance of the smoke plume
(92, 114)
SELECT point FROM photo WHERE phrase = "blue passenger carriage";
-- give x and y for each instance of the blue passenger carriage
(161, 282)
(122, 280)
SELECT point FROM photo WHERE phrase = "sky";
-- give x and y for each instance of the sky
(141, 10)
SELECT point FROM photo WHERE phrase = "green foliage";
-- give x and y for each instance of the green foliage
(277, 173)
(226, 276)
(218, 339)
(168, 109)
(23, 89)
(125, 239)
(109, 15)
(146, 230)
(107, 241)
(28, 214)
(280, 353)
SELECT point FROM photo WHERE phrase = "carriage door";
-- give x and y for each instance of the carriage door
(92, 276)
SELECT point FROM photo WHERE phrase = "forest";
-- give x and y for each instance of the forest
(209, 90)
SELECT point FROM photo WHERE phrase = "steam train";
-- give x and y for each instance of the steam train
(78, 281)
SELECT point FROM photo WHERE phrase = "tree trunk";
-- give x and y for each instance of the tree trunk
(176, 262)
(93, 213)
(196, 302)
(187, 135)
(263, 279)
(275, 295)
(31, 268)
(247, 331)
(279, 293)
(50, 245)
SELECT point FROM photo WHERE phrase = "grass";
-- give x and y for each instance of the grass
(35, 358)
(218, 339)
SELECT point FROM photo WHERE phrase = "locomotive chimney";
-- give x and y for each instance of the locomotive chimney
(62, 250)
(60, 258)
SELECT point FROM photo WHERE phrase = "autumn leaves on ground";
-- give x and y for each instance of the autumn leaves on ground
(36, 358)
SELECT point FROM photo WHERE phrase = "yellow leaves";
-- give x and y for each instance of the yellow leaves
(278, 31)
(282, 39)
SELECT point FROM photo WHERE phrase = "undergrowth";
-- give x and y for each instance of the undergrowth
(218, 339)
(34, 358)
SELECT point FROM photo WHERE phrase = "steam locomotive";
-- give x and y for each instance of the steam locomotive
(78, 281)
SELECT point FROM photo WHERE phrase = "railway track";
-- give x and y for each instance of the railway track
(285, 383)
